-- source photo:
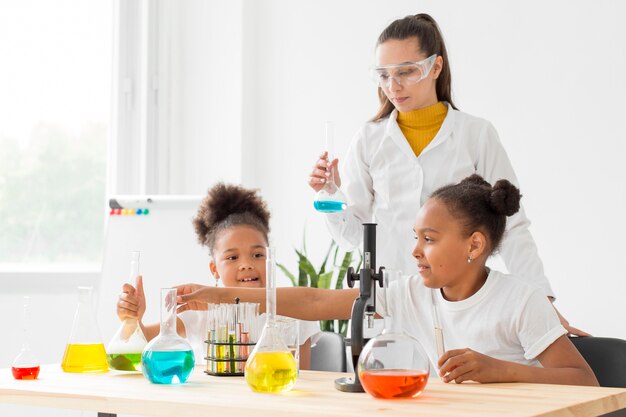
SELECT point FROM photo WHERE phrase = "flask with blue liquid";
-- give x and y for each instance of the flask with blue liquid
(168, 358)
(330, 199)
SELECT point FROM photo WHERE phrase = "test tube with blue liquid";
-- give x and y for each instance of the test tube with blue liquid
(330, 199)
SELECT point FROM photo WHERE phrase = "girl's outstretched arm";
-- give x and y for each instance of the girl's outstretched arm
(561, 361)
(299, 302)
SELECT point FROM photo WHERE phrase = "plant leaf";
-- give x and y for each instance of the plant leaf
(305, 265)
(345, 263)
(287, 273)
(325, 279)
(323, 267)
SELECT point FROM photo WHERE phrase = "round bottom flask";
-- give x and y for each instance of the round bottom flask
(271, 367)
(26, 364)
(168, 358)
(393, 364)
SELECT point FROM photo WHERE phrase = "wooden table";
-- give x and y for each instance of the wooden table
(313, 395)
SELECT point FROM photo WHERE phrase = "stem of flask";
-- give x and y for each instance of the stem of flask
(168, 311)
(270, 285)
(26, 322)
(330, 146)
(134, 267)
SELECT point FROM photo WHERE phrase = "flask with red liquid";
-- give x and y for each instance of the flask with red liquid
(393, 365)
(26, 364)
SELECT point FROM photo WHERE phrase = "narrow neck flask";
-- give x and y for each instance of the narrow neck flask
(26, 364)
(168, 358)
(271, 367)
(85, 350)
(330, 199)
(124, 349)
(393, 365)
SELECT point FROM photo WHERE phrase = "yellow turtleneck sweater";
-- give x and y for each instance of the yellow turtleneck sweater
(420, 126)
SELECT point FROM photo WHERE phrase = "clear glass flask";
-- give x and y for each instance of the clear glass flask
(330, 199)
(168, 358)
(26, 364)
(393, 364)
(85, 350)
(271, 367)
(124, 349)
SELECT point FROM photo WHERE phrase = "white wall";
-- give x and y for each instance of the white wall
(548, 75)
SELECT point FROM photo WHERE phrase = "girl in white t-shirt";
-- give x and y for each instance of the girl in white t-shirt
(233, 223)
(496, 328)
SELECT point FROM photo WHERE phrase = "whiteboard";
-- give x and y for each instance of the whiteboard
(170, 253)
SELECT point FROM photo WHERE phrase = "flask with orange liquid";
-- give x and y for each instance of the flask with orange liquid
(393, 364)
(271, 367)
(85, 350)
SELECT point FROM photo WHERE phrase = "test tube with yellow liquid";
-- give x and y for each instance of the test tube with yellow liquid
(85, 350)
(271, 367)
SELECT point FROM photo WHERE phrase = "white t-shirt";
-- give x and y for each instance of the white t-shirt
(508, 318)
(196, 330)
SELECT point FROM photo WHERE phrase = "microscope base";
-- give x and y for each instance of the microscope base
(348, 385)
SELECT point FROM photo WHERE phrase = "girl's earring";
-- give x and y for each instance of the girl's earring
(469, 259)
(217, 280)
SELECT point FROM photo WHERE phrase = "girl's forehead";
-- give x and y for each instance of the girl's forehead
(240, 236)
(433, 214)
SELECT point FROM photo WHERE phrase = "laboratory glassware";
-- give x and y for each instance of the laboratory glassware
(26, 364)
(85, 350)
(330, 199)
(168, 358)
(231, 337)
(124, 349)
(393, 364)
(271, 367)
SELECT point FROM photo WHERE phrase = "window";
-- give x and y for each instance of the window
(55, 80)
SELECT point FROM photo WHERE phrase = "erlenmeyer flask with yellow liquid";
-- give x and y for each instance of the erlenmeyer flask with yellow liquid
(124, 349)
(271, 367)
(85, 350)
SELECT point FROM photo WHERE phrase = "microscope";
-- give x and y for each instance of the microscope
(364, 306)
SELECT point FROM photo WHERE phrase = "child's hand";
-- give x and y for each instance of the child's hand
(189, 297)
(321, 172)
(460, 365)
(132, 302)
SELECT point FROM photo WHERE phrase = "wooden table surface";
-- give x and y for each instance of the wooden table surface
(313, 395)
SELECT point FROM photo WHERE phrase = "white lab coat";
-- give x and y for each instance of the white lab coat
(385, 182)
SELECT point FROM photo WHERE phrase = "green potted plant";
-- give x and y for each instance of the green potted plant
(330, 274)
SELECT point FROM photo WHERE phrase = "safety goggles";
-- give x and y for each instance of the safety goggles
(407, 73)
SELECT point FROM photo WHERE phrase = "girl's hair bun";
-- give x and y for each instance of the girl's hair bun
(475, 179)
(504, 198)
(228, 205)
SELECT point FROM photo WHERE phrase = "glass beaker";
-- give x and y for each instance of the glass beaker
(168, 358)
(271, 367)
(393, 364)
(124, 349)
(330, 199)
(85, 350)
(26, 364)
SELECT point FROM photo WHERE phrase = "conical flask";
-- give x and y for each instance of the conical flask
(124, 349)
(330, 199)
(168, 358)
(271, 367)
(26, 364)
(85, 350)
(393, 364)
